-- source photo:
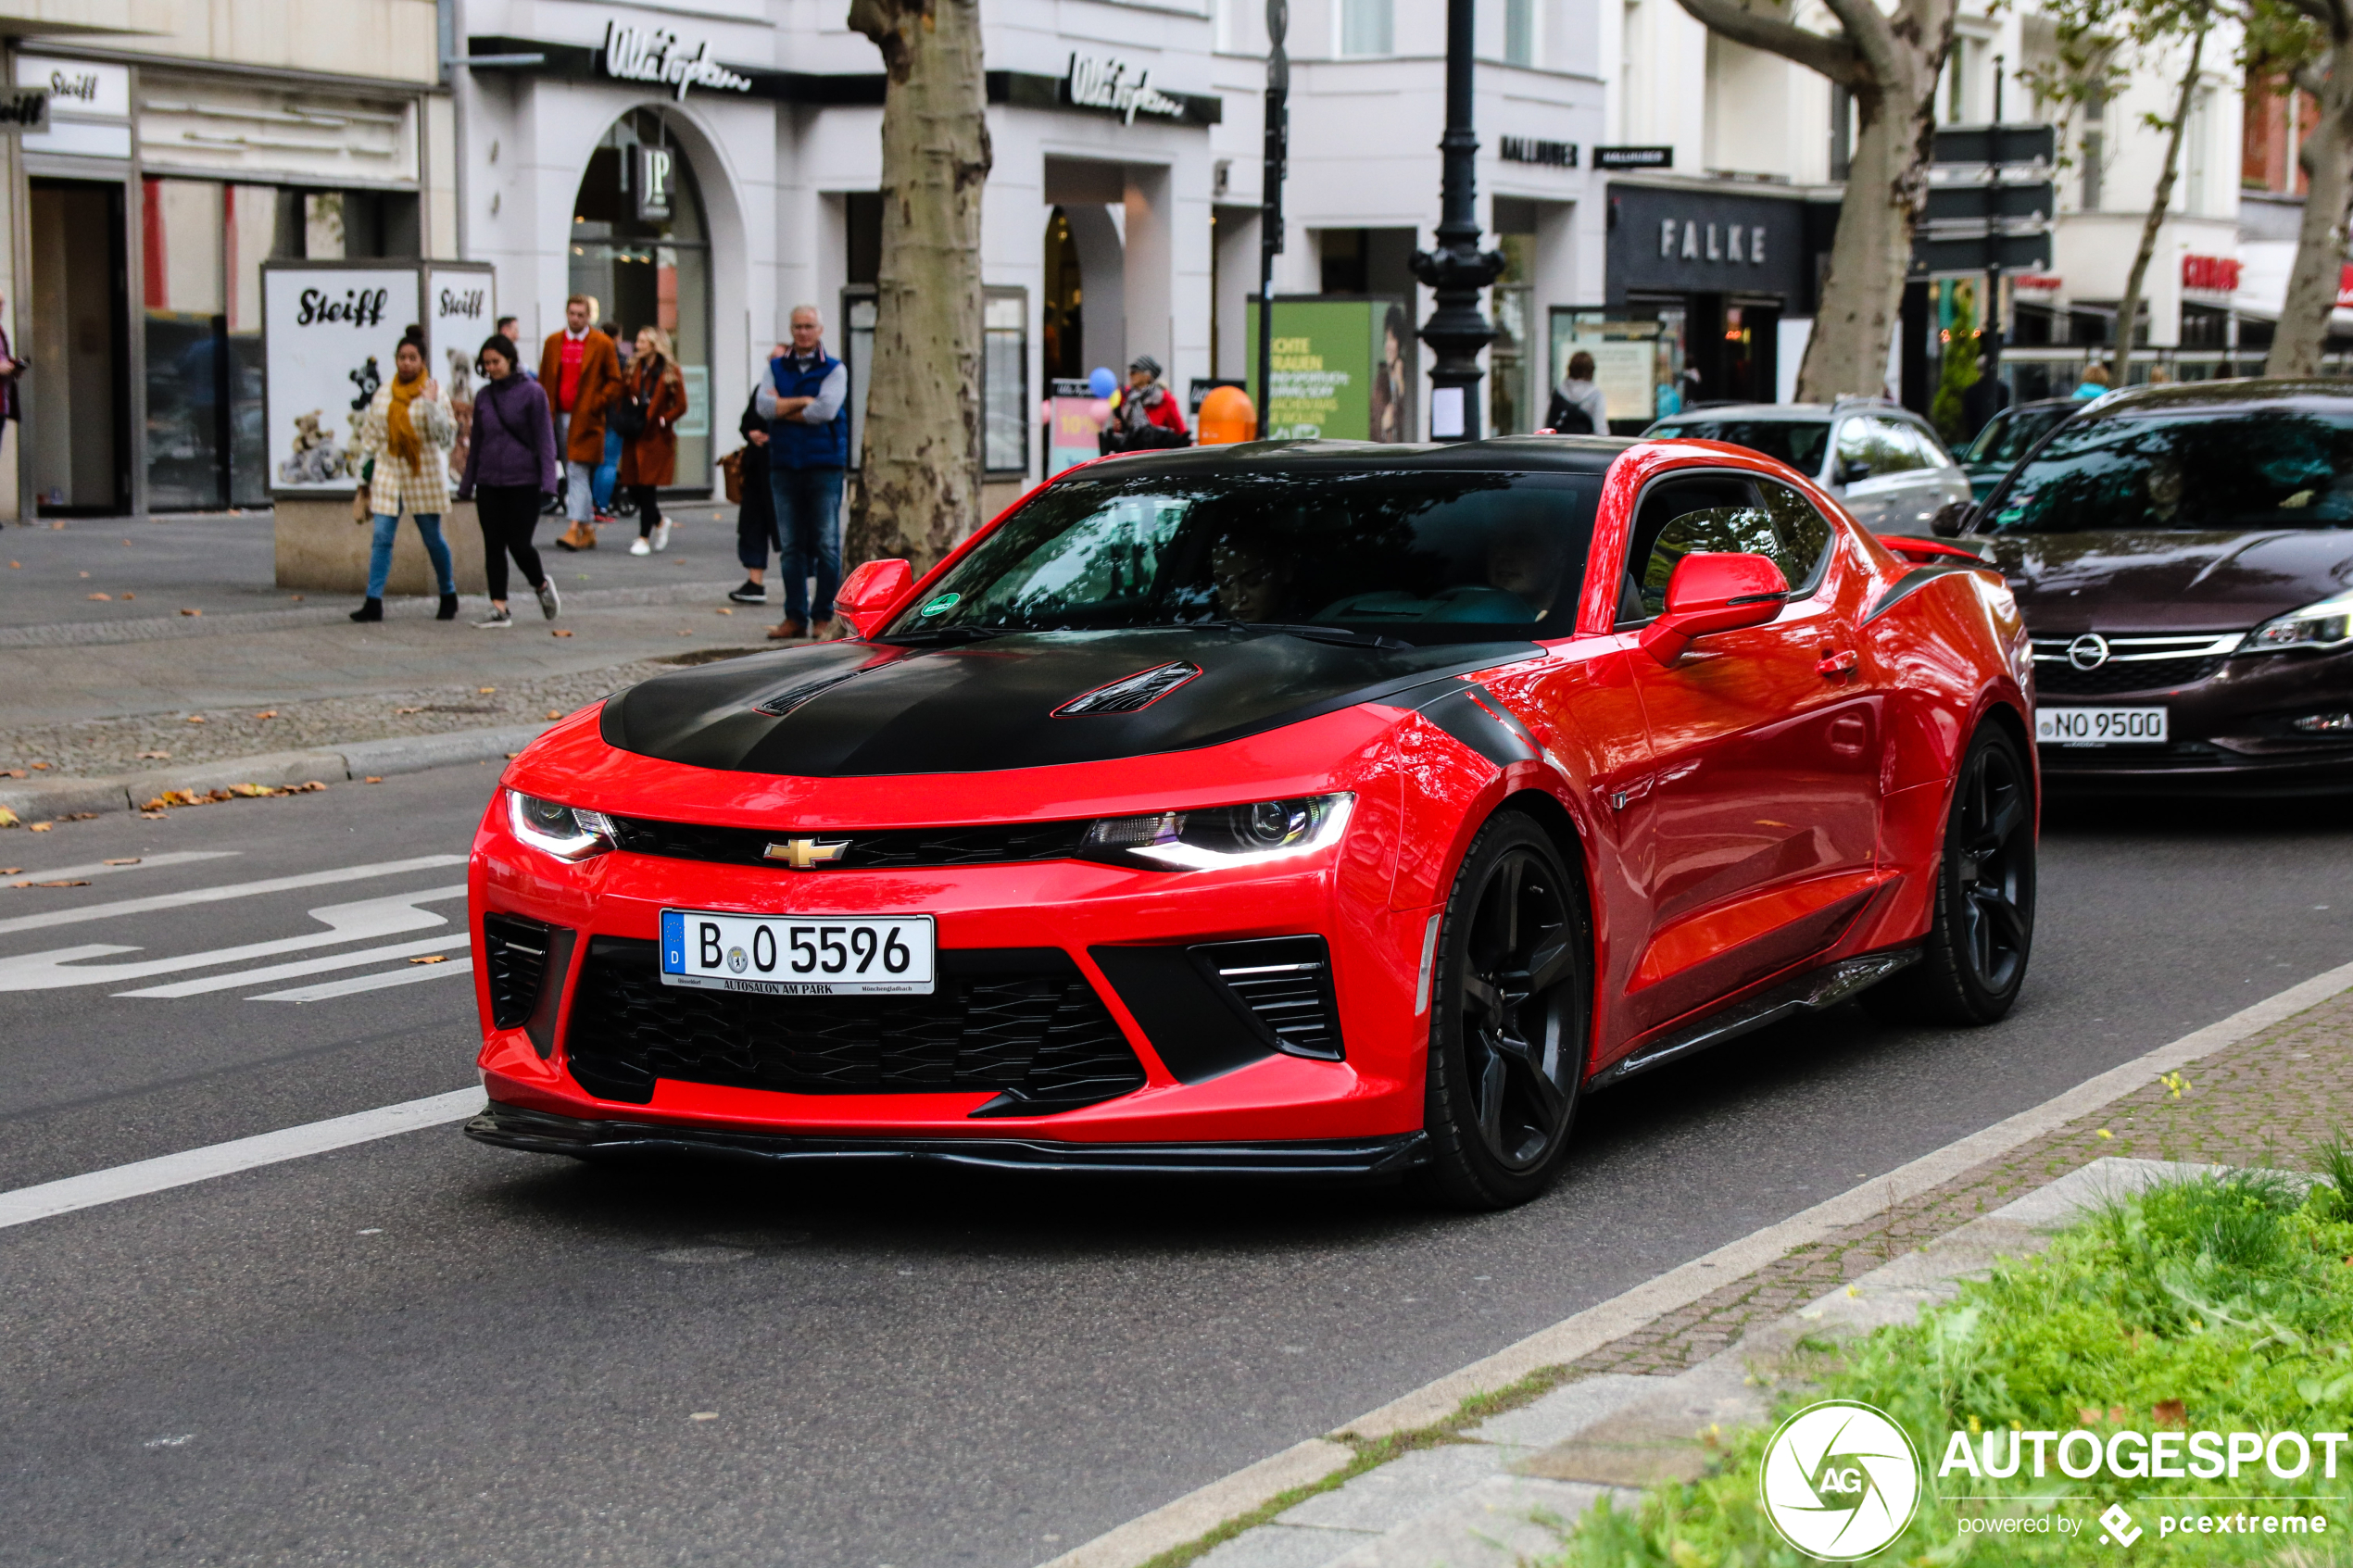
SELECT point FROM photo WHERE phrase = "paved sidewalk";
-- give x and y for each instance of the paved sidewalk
(1474, 1491)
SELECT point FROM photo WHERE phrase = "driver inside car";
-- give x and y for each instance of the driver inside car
(1252, 584)
(1528, 564)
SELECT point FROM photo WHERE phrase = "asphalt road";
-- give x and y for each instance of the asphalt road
(420, 1349)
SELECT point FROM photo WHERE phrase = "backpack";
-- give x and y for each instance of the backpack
(1567, 418)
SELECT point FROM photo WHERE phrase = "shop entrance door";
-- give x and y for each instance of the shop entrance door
(77, 390)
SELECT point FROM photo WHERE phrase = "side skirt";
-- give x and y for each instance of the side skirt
(1811, 992)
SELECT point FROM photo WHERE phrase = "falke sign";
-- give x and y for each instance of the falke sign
(1107, 84)
(643, 54)
(1690, 240)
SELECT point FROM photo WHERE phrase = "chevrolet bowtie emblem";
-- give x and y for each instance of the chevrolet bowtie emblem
(806, 854)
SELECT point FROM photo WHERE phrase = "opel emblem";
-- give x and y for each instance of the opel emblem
(2086, 652)
(806, 854)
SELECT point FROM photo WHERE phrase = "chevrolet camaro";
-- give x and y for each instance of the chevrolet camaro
(1300, 806)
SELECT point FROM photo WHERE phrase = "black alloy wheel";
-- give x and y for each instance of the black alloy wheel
(1509, 1009)
(1975, 956)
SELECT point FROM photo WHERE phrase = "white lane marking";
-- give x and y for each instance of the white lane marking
(368, 983)
(165, 1172)
(102, 868)
(214, 894)
(359, 922)
(302, 966)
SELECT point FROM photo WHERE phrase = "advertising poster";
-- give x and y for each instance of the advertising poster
(1074, 426)
(1343, 369)
(461, 306)
(330, 335)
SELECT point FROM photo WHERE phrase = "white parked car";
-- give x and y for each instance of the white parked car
(1886, 463)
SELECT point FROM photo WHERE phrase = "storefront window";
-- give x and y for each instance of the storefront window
(1004, 382)
(186, 327)
(1515, 404)
(1641, 360)
(641, 251)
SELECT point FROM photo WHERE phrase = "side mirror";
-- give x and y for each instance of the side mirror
(1714, 593)
(1849, 472)
(1952, 520)
(868, 595)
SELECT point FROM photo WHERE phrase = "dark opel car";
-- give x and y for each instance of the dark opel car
(2184, 556)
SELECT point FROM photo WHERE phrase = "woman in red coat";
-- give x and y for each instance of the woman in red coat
(650, 459)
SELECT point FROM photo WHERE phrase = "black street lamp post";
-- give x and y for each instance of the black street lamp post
(1458, 270)
(1270, 218)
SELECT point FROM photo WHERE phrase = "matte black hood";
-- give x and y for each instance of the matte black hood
(846, 709)
(2128, 580)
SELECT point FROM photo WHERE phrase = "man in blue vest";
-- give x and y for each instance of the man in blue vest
(806, 402)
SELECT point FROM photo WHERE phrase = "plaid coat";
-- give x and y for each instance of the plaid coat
(423, 489)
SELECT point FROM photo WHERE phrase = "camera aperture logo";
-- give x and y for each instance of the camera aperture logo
(1840, 1480)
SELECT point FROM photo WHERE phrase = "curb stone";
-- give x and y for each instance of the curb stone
(1493, 1498)
(46, 799)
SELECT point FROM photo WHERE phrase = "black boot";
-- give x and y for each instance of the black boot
(370, 609)
(449, 610)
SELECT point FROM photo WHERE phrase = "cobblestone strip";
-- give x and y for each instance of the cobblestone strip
(2269, 1100)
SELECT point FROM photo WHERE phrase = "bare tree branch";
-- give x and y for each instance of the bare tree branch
(1833, 57)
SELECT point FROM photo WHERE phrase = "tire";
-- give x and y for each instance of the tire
(1510, 1008)
(1975, 955)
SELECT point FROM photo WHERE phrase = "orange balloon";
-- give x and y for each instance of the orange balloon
(1226, 416)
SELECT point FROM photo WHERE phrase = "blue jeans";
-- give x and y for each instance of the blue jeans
(808, 538)
(380, 551)
(609, 470)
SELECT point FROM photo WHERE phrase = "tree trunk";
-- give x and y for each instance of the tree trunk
(920, 454)
(2128, 309)
(2320, 245)
(1863, 291)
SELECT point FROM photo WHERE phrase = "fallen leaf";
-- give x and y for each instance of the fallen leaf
(83, 574)
(297, 599)
(38, 827)
(404, 711)
(250, 791)
(195, 718)
(2170, 1412)
(60, 527)
(432, 958)
(373, 778)
(725, 612)
(2104, 1133)
(7, 818)
(12, 772)
(151, 817)
(126, 543)
(305, 788)
(58, 884)
(191, 612)
(684, 633)
(560, 634)
(126, 860)
(485, 691)
(40, 766)
(156, 756)
(130, 595)
(271, 713)
(101, 595)
(79, 817)
(15, 566)
(10, 870)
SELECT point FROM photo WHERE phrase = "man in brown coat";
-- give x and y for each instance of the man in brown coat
(581, 372)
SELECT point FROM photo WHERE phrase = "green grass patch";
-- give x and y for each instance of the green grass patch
(2219, 1304)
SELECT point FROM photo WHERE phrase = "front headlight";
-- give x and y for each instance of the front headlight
(2328, 624)
(1222, 835)
(568, 833)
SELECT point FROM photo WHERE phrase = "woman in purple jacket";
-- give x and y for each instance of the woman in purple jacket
(511, 465)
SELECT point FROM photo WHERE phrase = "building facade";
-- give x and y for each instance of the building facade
(187, 144)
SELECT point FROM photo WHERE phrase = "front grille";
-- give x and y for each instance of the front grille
(1286, 982)
(883, 849)
(2132, 664)
(517, 955)
(1020, 1022)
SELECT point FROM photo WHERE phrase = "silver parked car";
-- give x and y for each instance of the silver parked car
(1886, 463)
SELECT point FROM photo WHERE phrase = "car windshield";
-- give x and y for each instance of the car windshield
(1797, 442)
(1418, 557)
(2260, 469)
(2012, 431)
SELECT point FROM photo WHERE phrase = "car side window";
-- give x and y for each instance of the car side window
(1929, 445)
(1899, 448)
(1720, 515)
(1857, 443)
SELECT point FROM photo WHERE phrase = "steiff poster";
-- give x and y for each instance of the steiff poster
(330, 333)
(1342, 370)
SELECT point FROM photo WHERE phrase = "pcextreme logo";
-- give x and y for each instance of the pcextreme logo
(1840, 1480)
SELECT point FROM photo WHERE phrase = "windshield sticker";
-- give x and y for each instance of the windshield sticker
(941, 605)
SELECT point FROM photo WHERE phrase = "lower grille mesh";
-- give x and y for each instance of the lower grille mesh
(1021, 1022)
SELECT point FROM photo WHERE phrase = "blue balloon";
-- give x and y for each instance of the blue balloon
(1101, 381)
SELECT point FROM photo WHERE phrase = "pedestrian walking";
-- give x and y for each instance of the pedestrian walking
(404, 438)
(653, 401)
(608, 476)
(806, 401)
(581, 374)
(1579, 407)
(2094, 384)
(11, 368)
(511, 465)
(511, 330)
(756, 505)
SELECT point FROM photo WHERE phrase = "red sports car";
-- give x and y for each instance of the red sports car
(1299, 807)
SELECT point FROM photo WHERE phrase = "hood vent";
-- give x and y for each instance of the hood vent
(1130, 694)
(784, 701)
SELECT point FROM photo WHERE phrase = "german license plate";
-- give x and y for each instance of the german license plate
(798, 955)
(2099, 726)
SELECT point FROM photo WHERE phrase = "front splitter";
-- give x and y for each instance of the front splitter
(540, 1131)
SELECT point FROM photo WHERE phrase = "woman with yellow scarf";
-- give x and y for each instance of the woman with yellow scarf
(406, 436)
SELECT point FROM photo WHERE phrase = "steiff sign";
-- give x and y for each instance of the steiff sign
(652, 54)
(24, 109)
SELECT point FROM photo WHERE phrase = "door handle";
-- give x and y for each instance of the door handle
(1840, 663)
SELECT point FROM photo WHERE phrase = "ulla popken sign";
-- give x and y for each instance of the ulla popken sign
(650, 54)
(1106, 84)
